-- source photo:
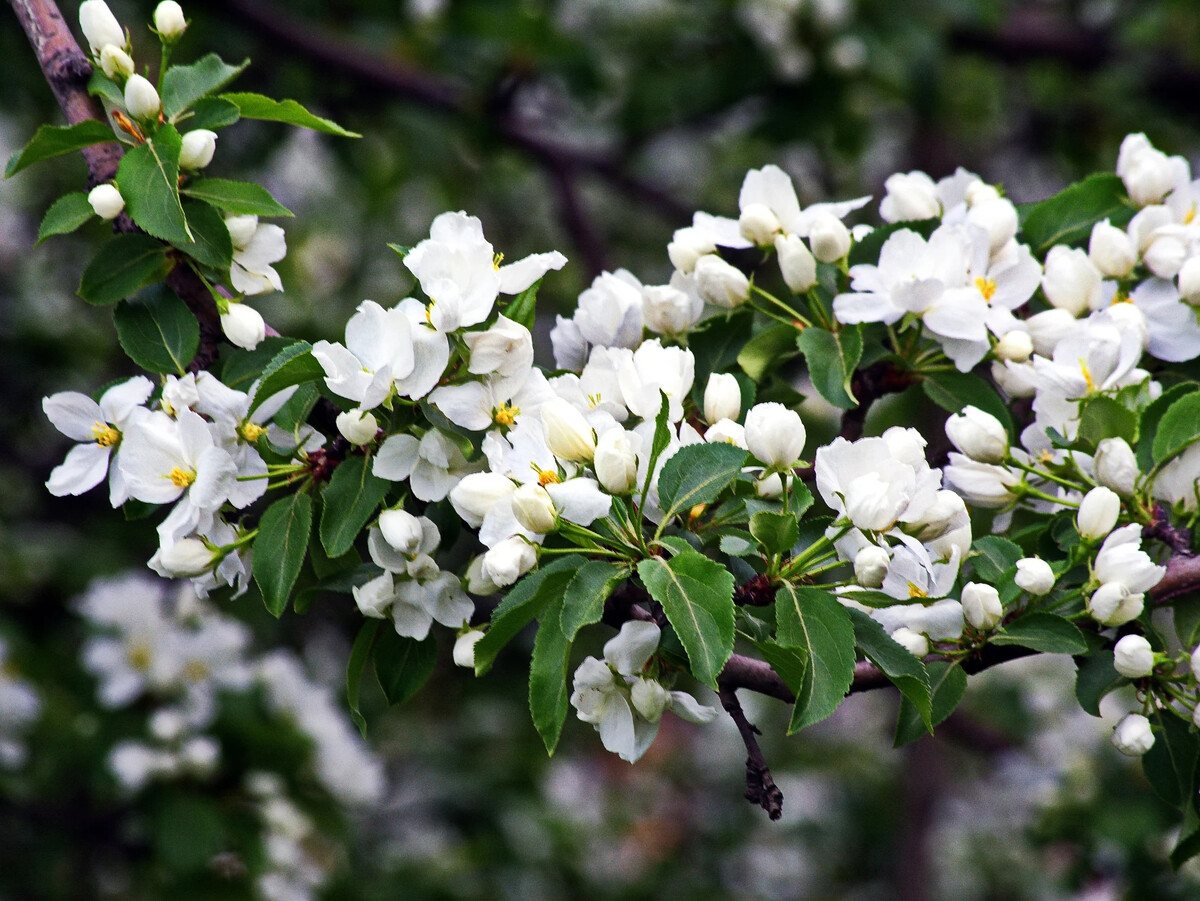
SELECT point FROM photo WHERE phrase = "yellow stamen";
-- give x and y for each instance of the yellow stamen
(250, 432)
(1045, 456)
(1121, 297)
(196, 671)
(429, 311)
(1191, 214)
(139, 657)
(106, 435)
(986, 286)
(505, 414)
(916, 592)
(497, 259)
(180, 478)
(1087, 375)
(546, 476)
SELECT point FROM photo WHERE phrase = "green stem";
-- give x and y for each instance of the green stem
(783, 306)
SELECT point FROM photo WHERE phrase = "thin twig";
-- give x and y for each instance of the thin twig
(760, 786)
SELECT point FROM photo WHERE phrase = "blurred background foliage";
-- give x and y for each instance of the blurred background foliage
(594, 127)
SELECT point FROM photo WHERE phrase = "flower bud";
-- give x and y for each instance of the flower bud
(1016, 346)
(1133, 736)
(100, 26)
(186, 558)
(615, 461)
(796, 263)
(1116, 465)
(533, 508)
(1146, 171)
(769, 486)
(1189, 281)
(871, 566)
(981, 606)
(997, 216)
(829, 237)
(1112, 604)
(726, 431)
(199, 145)
(775, 435)
(243, 325)
(910, 197)
(141, 99)
(719, 283)
(979, 191)
(475, 495)
(1048, 328)
(169, 21)
(1133, 657)
(667, 310)
(401, 530)
(1165, 256)
(650, 699)
(568, 434)
(1070, 281)
(464, 648)
(508, 561)
(722, 397)
(241, 230)
(913, 642)
(477, 582)
(115, 62)
(979, 435)
(357, 426)
(1034, 575)
(687, 246)
(1098, 513)
(1111, 251)
(758, 224)
(1015, 379)
(106, 201)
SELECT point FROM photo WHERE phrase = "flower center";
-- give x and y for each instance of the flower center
(139, 656)
(180, 478)
(1087, 375)
(196, 671)
(506, 414)
(546, 476)
(106, 435)
(914, 591)
(497, 259)
(986, 286)
(251, 432)
(1121, 297)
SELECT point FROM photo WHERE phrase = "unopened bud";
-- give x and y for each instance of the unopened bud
(1116, 466)
(401, 530)
(357, 426)
(830, 238)
(186, 558)
(1189, 281)
(871, 566)
(615, 461)
(1133, 657)
(722, 397)
(796, 263)
(758, 224)
(913, 642)
(115, 62)
(199, 145)
(1133, 736)
(243, 325)
(719, 283)
(533, 508)
(141, 99)
(978, 434)
(99, 25)
(106, 201)
(568, 434)
(1070, 281)
(464, 648)
(1016, 345)
(1098, 513)
(169, 21)
(981, 606)
(1034, 575)
(1111, 251)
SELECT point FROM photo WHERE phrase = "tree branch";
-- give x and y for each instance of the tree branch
(760, 786)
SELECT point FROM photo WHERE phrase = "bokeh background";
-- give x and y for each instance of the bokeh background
(594, 127)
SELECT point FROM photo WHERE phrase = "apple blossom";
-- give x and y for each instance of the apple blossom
(1133, 657)
(1133, 736)
(141, 98)
(106, 201)
(1034, 575)
(981, 606)
(199, 146)
(100, 26)
(169, 21)
(1098, 513)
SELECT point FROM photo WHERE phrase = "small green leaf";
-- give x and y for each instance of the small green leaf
(123, 265)
(1044, 632)
(590, 586)
(522, 308)
(902, 668)
(211, 113)
(280, 547)
(403, 665)
(349, 500)
(294, 365)
(832, 358)
(992, 555)
(1178, 429)
(65, 215)
(157, 330)
(766, 350)
(1102, 417)
(524, 601)
(697, 596)
(1170, 764)
(55, 140)
(149, 181)
(811, 621)
(241, 198)
(184, 85)
(776, 532)
(662, 437)
(1068, 216)
(954, 390)
(360, 653)
(548, 692)
(1152, 416)
(256, 106)
(1095, 678)
(100, 85)
(697, 474)
(948, 684)
(212, 245)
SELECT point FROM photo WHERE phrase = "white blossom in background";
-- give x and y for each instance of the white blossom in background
(20, 705)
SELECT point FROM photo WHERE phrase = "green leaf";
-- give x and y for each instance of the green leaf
(1187, 619)
(256, 106)
(212, 245)
(1102, 417)
(814, 623)
(905, 671)
(1068, 216)
(241, 198)
(186, 831)
(65, 215)
(697, 474)
(697, 596)
(766, 350)
(280, 548)
(589, 588)
(947, 684)
(1044, 632)
(360, 653)
(1188, 845)
(524, 601)
(211, 113)
(799, 498)
(157, 330)
(1095, 678)
(832, 358)
(1170, 764)
(715, 347)
(123, 265)
(1178, 429)
(548, 690)
(954, 390)
(55, 140)
(294, 365)
(149, 181)
(992, 556)
(100, 85)
(1152, 416)
(184, 85)
(776, 532)
(522, 308)
(662, 437)
(349, 500)
(403, 665)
